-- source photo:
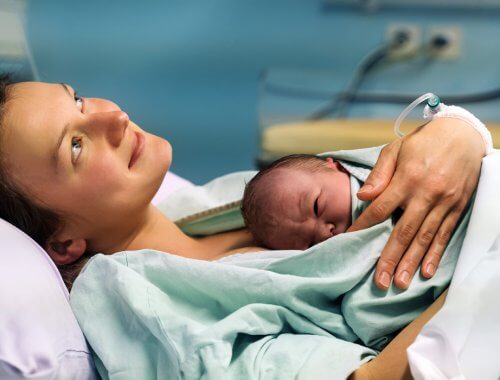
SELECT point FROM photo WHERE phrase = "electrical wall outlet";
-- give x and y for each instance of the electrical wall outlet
(404, 40)
(444, 42)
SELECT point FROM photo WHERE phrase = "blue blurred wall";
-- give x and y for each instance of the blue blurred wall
(188, 70)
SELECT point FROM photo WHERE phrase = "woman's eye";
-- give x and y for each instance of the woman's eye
(316, 207)
(76, 148)
(78, 101)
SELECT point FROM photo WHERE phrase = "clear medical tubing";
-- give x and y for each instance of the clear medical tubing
(433, 102)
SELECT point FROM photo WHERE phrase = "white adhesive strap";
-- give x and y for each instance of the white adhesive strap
(455, 112)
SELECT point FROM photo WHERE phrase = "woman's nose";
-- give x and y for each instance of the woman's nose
(96, 105)
(112, 125)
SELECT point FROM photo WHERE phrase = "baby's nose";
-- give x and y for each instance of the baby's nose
(326, 232)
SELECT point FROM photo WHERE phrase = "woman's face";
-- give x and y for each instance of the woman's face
(81, 157)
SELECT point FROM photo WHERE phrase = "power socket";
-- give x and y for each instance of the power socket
(444, 42)
(404, 40)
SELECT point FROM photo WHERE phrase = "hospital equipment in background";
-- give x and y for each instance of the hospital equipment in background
(299, 112)
(375, 5)
(15, 53)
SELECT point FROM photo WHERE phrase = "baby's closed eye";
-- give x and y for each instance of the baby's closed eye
(316, 207)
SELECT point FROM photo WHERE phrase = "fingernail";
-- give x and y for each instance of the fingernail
(404, 277)
(385, 279)
(365, 189)
(431, 269)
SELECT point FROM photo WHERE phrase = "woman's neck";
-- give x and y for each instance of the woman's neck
(160, 233)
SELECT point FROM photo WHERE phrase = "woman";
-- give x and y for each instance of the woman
(78, 176)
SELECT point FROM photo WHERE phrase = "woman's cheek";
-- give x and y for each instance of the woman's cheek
(104, 174)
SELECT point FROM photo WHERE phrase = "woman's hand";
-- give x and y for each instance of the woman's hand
(431, 174)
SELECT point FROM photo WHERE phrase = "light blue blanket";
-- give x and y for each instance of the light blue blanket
(274, 315)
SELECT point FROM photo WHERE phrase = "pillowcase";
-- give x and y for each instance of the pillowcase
(39, 335)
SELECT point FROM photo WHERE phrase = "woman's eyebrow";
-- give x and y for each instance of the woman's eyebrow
(66, 88)
(57, 146)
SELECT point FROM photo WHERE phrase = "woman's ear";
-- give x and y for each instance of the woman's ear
(66, 252)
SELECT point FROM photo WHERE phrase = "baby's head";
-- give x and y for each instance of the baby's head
(298, 201)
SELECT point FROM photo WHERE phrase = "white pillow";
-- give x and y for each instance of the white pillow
(39, 335)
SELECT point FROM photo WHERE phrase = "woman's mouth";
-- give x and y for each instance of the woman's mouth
(137, 148)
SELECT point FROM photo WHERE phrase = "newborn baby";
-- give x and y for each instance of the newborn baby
(298, 201)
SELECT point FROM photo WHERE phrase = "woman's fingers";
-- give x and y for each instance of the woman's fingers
(401, 237)
(377, 183)
(378, 211)
(420, 236)
(433, 256)
(382, 173)
(420, 247)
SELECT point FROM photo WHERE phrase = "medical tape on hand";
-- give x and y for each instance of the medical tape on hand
(456, 112)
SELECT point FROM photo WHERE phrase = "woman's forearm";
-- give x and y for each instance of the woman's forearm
(392, 363)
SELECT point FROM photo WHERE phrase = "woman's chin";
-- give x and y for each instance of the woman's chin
(167, 151)
(162, 152)
(156, 166)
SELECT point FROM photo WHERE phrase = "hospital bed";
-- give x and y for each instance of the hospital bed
(40, 337)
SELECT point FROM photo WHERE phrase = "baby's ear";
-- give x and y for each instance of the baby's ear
(333, 164)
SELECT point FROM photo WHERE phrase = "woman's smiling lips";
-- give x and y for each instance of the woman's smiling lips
(137, 149)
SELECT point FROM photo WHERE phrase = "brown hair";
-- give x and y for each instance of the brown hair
(258, 222)
(39, 222)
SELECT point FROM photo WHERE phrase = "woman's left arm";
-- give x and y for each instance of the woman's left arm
(392, 363)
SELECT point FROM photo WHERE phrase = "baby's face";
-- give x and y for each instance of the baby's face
(309, 207)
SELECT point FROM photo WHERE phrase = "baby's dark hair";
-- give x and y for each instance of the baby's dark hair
(257, 220)
(16, 207)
